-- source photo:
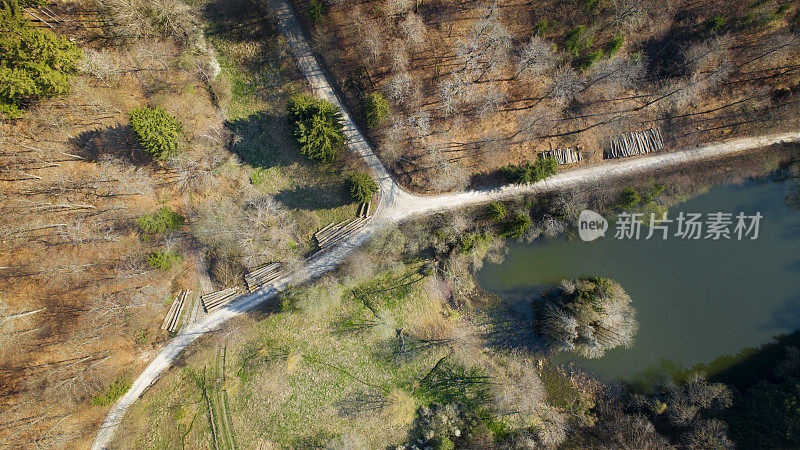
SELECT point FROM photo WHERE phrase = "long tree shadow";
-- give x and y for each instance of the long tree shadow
(118, 141)
(256, 140)
(312, 197)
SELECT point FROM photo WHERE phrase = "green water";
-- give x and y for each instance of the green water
(695, 300)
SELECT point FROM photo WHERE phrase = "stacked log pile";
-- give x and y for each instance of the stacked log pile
(563, 155)
(363, 210)
(332, 234)
(219, 299)
(263, 275)
(633, 144)
(174, 314)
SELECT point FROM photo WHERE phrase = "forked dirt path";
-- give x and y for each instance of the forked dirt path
(395, 206)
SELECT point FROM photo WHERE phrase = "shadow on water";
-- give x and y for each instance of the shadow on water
(740, 370)
(511, 319)
(785, 316)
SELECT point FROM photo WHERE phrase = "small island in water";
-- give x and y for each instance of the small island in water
(586, 315)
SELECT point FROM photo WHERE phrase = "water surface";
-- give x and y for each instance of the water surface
(695, 300)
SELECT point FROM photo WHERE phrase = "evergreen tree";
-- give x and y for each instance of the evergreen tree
(157, 131)
(317, 126)
(34, 63)
(361, 187)
(377, 110)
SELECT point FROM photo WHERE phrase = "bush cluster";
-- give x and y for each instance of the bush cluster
(530, 173)
(163, 260)
(160, 221)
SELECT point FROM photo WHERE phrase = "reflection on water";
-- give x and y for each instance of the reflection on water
(695, 300)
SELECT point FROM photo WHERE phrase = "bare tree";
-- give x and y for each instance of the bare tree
(493, 100)
(371, 39)
(398, 57)
(420, 124)
(486, 48)
(629, 14)
(566, 85)
(538, 57)
(399, 87)
(102, 65)
(396, 7)
(413, 29)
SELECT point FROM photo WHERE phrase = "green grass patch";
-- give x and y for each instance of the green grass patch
(163, 260)
(160, 221)
(113, 392)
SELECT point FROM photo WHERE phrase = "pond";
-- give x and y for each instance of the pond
(695, 299)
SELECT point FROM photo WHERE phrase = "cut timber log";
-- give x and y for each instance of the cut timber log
(262, 276)
(634, 144)
(218, 299)
(171, 320)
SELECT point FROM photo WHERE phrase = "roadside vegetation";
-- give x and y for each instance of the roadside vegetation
(474, 87)
(401, 348)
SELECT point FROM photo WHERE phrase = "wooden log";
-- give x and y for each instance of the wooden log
(369, 205)
(170, 312)
(264, 269)
(342, 232)
(332, 230)
(324, 228)
(229, 297)
(174, 322)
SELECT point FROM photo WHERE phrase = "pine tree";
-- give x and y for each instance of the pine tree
(317, 126)
(157, 131)
(34, 63)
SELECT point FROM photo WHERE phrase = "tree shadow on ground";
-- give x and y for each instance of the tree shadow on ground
(118, 141)
(312, 197)
(256, 140)
(243, 22)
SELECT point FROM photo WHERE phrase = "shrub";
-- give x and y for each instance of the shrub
(377, 110)
(317, 127)
(496, 211)
(34, 63)
(614, 45)
(361, 187)
(542, 27)
(577, 41)
(316, 10)
(163, 260)
(717, 23)
(516, 227)
(591, 59)
(116, 390)
(530, 173)
(160, 221)
(628, 198)
(156, 130)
